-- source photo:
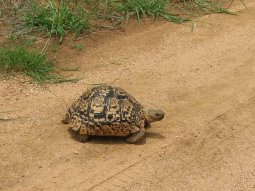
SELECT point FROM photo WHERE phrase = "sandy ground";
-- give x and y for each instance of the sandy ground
(205, 82)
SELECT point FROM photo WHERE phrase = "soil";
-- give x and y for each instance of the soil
(203, 79)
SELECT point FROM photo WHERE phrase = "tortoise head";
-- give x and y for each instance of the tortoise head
(152, 115)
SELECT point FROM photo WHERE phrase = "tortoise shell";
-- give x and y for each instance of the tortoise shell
(106, 111)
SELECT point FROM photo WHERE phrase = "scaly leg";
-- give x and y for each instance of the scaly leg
(82, 138)
(66, 119)
(135, 137)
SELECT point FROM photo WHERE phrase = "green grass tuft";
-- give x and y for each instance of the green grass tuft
(31, 63)
(57, 19)
(155, 8)
(79, 47)
(205, 6)
(145, 7)
(119, 10)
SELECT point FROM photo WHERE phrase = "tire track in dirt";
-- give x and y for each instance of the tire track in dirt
(224, 141)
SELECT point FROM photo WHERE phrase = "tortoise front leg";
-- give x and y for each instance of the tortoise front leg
(135, 137)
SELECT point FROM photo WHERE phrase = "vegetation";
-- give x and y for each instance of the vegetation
(60, 17)
(76, 15)
(198, 7)
(120, 10)
(56, 19)
(72, 16)
(31, 63)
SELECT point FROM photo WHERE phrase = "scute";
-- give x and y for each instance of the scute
(107, 111)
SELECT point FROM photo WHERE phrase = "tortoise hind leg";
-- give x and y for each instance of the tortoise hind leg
(135, 137)
(82, 138)
(66, 119)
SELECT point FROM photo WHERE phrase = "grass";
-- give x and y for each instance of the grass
(33, 64)
(144, 7)
(200, 7)
(155, 8)
(79, 47)
(76, 16)
(123, 9)
(57, 19)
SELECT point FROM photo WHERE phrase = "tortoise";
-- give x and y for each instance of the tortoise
(104, 110)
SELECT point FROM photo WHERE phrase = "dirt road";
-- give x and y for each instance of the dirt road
(205, 82)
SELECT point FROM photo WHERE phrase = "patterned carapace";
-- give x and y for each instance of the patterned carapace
(106, 110)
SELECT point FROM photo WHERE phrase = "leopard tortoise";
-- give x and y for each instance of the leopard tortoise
(109, 111)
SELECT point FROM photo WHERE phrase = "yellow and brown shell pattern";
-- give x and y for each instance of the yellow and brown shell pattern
(107, 111)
